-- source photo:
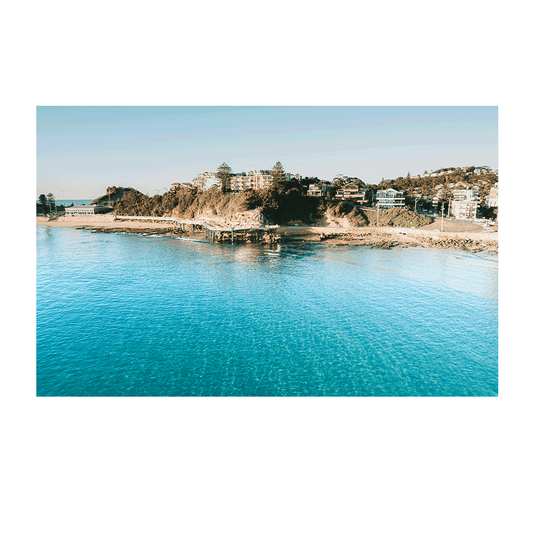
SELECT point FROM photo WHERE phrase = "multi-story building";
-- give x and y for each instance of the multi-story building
(256, 179)
(390, 198)
(319, 190)
(353, 192)
(492, 198)
(206, 180)
(241, 181)
(465, 203)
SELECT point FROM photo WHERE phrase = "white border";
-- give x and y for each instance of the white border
(31, 96)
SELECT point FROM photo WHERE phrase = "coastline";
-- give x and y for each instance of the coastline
(381, 237)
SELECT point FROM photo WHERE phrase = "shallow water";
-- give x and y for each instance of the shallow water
(127, 315)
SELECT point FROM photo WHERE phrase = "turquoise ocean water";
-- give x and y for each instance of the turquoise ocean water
(131, 315)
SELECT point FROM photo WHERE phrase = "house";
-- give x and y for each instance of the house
(390, 198)
(352, 191)
(319, 190)
(85, 210)
(186, 185)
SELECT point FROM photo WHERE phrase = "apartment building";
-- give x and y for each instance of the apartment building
(256, 179)
(241, 181)
(465, 203)
(388, 198)
(206, 180)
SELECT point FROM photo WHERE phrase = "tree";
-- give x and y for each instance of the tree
(339, 181)
(446, 196)
(278, 174)
(51, 202)
(44, 203)
(223, 176)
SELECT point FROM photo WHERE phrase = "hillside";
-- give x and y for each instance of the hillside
(428, 185)
(346, 214)
(277, 205)
(113, 194)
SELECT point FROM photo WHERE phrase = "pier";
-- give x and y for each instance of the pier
(212, 231)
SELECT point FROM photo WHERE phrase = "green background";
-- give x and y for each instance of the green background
(262, 474)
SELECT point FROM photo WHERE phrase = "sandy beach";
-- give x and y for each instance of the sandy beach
(457, 234)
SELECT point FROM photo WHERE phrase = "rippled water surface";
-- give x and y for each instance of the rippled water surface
(131, 315)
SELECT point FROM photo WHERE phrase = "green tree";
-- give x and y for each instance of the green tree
(278, 174)
(44, 203)
(446, 196)
(223, 176)
(339, 181)
(51, 202)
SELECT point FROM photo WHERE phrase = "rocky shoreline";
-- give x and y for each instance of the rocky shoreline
(247, 237)
(330, 235)
(387, 241)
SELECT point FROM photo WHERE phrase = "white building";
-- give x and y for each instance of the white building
(492, 199)
(241, 181)
(319, 190)
(465, 203)
(85, 210)
(206, 180)
(256, 179)
(390, 198)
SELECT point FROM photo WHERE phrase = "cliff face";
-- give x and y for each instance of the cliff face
(112, 194)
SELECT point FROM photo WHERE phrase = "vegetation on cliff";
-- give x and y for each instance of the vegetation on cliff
(112, 194)
(278, 204)
(428, 185)
(359, 216)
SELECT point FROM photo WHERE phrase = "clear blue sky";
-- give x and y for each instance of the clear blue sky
(83, 150)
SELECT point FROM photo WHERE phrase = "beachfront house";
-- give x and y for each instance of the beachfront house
(387, 198)
(465, 203)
